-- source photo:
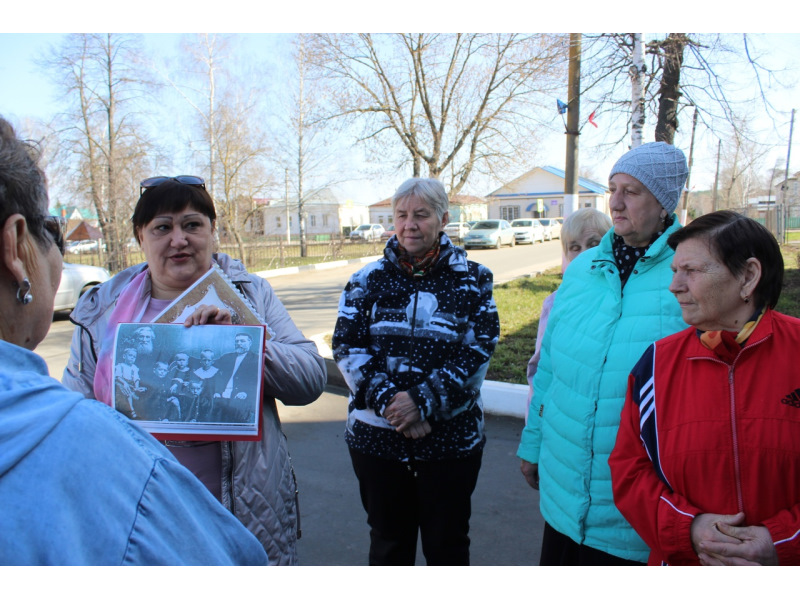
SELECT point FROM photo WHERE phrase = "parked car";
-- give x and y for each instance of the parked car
(83, 246)
(527, 231)
(552, 229)
(369, 232)
(492, 233)
(388, 232)
(75, 280)
(456, 230)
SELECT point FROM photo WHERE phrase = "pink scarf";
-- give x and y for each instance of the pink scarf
(130, 307)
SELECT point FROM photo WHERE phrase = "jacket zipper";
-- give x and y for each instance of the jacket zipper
(735, 437)
(734, 429)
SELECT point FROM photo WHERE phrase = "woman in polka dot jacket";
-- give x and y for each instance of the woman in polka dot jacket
(413, 340)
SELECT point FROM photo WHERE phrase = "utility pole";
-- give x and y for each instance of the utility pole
(788, 155)
(716, 175)
(685, 208)
(573, 120)
(288, 228)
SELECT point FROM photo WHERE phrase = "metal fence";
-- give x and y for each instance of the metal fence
(263, 253)
(779, 219)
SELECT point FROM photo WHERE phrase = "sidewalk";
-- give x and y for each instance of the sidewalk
(505, 528)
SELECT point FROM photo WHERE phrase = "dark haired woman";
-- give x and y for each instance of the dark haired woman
(174, 222)
(706, 466)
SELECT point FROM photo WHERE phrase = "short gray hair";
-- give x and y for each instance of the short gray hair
(23, 186)
(429, 190)
(581, 220)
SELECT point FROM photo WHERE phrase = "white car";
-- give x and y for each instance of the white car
(491, 233)
(456, 230)
(82, 246)
(527, 231)
(552, 229)
(369, 232)
(75, 280)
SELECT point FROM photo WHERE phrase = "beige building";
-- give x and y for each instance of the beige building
(540, 193)
(462, 208)
(324, 213)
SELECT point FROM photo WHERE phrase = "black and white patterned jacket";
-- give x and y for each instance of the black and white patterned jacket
(431, 337)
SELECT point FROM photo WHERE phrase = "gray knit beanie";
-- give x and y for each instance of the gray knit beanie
(660, 167)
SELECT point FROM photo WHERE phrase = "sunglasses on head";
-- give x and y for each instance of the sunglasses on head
(54, 226)
(152, 182)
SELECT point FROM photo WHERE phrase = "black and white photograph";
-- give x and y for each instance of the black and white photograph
(201, 382)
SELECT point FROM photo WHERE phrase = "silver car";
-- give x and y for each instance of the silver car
(552, 229)
(527, 231)
(456, 230)
(369, 232)
(75, 280)
(492, 233)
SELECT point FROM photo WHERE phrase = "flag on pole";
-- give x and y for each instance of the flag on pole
(591, 118)
(562, 108)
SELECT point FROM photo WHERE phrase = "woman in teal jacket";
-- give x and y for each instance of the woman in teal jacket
(614, 302)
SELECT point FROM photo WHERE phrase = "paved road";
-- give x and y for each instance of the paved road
(506, 525)
(313, 298)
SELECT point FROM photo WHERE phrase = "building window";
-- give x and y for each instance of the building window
(312, 220)
(278, 222)
(509, 213)
(380, 219)
(324, 220)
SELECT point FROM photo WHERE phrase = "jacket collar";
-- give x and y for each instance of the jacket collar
(762, 331)
(453, 256)
(656, 250)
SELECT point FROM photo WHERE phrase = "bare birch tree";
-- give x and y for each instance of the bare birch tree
(683, 70)
(638, 71)
(99, 141)
(448, 104)
(232, 144)
(306, 145)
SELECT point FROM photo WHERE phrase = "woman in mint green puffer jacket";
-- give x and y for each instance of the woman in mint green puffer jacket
(613, 303)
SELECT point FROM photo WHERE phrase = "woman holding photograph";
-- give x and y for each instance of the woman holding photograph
(174, 222)
(65, 500)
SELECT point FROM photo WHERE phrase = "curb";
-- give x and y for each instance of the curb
(499, 398)
(316, 267)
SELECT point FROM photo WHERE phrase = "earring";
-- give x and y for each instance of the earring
(746, 299)
(24, 295)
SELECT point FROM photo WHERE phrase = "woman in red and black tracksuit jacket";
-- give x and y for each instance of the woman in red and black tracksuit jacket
(706, 465)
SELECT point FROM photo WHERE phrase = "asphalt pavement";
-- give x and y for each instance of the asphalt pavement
(505, 529)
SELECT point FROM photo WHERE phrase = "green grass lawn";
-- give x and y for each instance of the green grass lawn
(519, 304)
(793, 236)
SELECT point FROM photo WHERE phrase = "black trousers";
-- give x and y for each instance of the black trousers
(432, 497)
(561, 550)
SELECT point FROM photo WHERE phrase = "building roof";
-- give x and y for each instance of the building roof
(323, 196)
(467, 199)
(588, 185)
(382, 203)
(457, 199)
(68, 211)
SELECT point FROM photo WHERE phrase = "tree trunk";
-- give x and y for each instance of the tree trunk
(669, 92)
(637, 72)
